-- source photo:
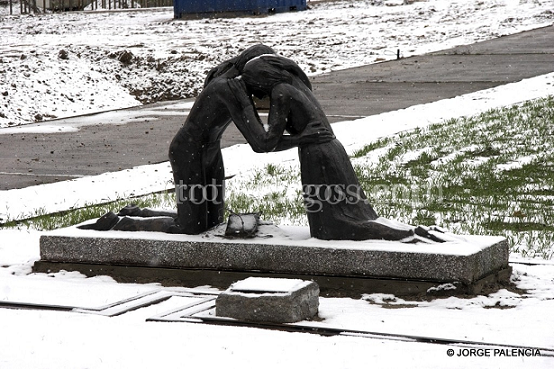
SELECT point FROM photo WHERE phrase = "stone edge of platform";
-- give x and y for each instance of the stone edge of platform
(267, 258)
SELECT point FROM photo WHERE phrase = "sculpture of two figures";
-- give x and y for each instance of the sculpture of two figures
(335, 203)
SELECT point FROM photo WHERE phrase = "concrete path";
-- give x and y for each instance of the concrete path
(118, 140)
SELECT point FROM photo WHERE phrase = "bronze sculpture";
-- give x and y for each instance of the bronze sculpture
(336, 205)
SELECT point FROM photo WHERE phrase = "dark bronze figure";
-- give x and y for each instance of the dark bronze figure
(335, 203)
(195, 157)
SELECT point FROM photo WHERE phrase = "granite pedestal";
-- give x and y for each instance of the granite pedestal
(337, 266)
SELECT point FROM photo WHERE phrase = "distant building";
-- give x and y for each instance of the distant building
(186, 8)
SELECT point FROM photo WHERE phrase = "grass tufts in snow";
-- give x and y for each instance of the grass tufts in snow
(46, 222)
(491, 174)
(274, 191)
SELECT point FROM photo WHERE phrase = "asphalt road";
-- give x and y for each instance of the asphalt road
(126, 138)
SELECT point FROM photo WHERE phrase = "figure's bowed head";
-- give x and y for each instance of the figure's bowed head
(263, 73)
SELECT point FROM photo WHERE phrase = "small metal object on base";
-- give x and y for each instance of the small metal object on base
(242, 225)
(275, 300)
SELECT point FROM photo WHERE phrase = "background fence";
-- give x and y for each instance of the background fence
(11, 7)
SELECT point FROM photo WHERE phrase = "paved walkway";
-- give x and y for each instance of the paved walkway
(141, 135)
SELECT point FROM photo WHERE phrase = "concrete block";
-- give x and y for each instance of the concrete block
(274, 300)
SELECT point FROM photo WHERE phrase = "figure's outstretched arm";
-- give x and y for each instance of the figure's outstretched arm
(271, 137)
(247, 120)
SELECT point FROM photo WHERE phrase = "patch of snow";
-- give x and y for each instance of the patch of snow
(38, 128)
(412, 155)
(442, 287)
(517, 164)
(269, 285)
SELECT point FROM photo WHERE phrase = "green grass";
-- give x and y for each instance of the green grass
(274, 191)
(273, 205)
(46, 222)
(490, 174)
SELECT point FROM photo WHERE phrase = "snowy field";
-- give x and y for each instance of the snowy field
(59, 65)
(356, 33)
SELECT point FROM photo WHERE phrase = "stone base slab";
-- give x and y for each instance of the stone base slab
(284, 250)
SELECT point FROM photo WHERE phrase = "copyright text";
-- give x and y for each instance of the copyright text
(497, 352)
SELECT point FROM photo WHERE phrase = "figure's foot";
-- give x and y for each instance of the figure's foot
(384, 229)
(104, 223)
(130, 210)
(175, 229)
(422, 232)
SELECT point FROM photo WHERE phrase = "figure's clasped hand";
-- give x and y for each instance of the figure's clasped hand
(315, 132)
(238, 90)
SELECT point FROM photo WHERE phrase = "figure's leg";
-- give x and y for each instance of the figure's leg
(215, 188)
(335, 203)
(135, 211)
(111, 221)
(352, 229)
(385, 231)
(389, 230)
(161, 224)
(104, 223)
(189, 176)
(422, 232)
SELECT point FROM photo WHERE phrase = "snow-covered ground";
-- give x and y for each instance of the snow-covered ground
(58, 65)
(69, 340)
(361, 33)
(49, 339)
